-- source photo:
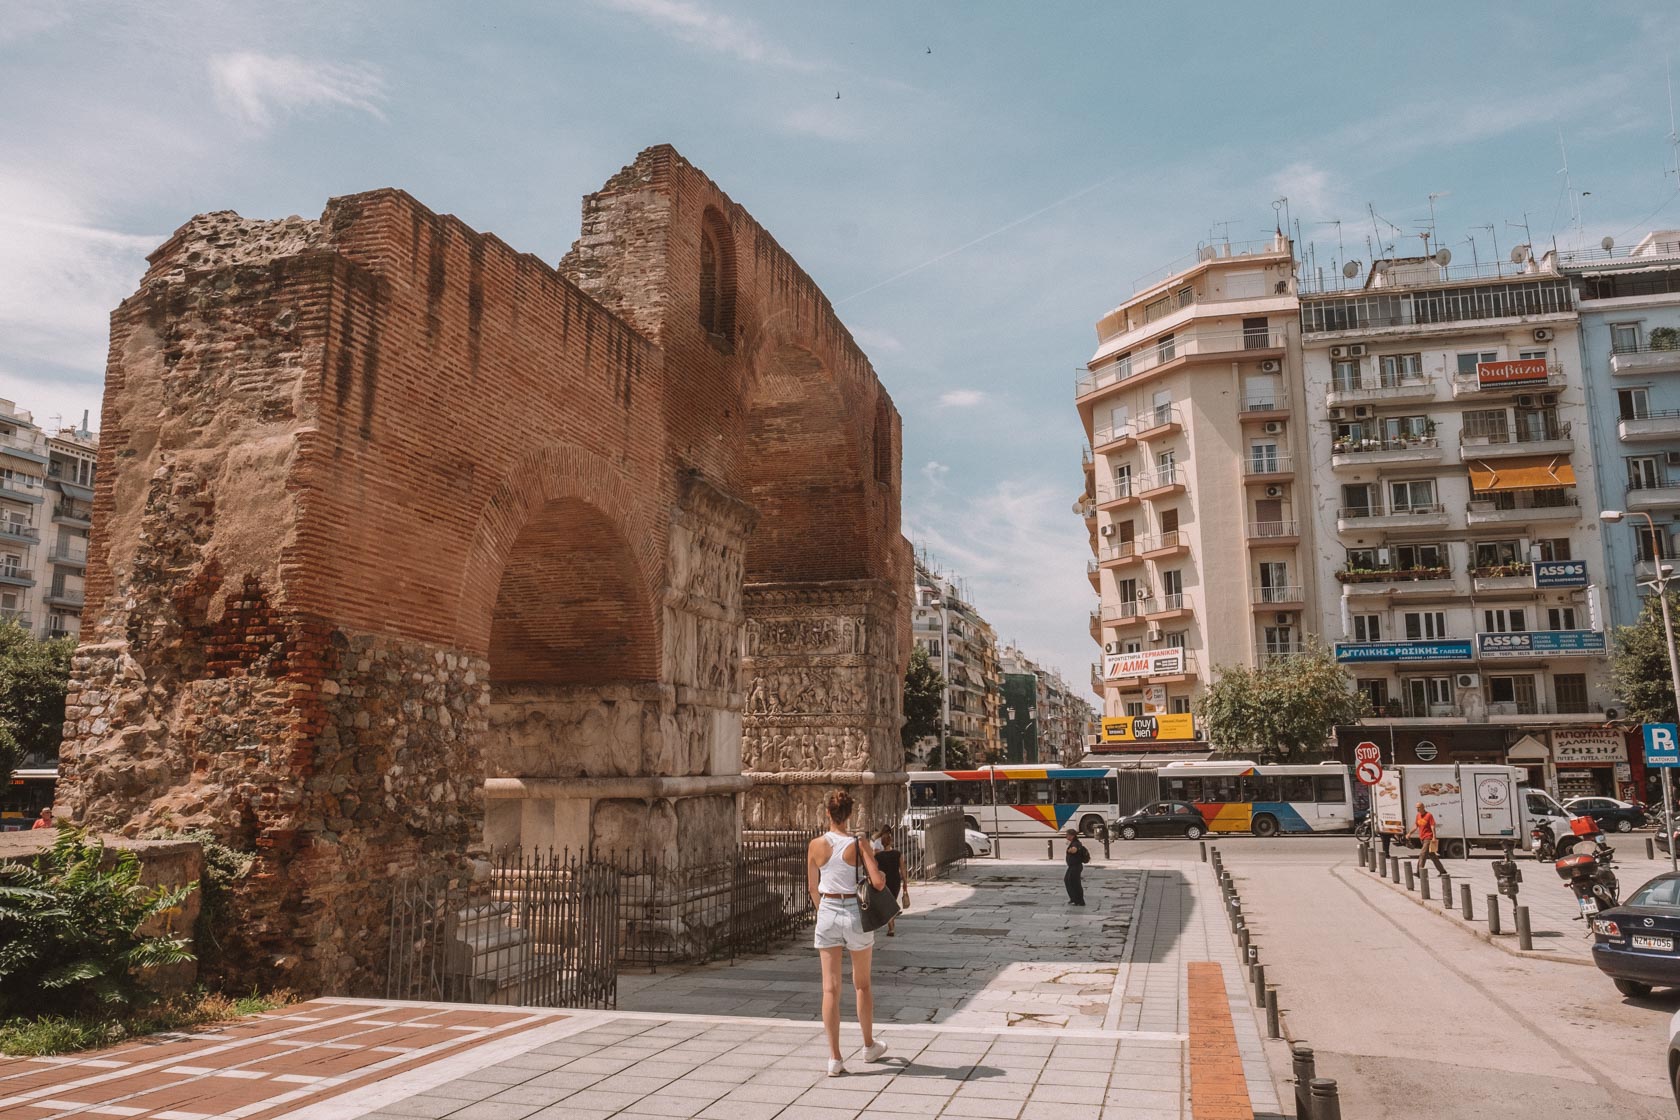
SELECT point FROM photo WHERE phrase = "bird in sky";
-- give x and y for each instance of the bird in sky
(836, 95)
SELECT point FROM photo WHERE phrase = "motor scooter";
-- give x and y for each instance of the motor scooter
(1588, 872)
(1542, 843)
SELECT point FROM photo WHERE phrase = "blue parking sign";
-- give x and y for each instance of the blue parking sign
(1662, 745)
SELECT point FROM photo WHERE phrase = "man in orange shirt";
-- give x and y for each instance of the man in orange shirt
(44, 820)
(1425, 825)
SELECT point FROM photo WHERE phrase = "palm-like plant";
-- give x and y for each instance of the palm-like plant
(70, 929)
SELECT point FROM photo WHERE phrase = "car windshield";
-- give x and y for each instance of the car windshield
(1658, 892)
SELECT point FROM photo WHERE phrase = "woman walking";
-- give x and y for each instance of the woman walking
(891, 862)
(832, 874)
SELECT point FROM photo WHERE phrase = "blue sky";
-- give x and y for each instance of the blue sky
(992, 177)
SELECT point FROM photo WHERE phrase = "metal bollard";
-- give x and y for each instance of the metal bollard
(1525, 936)
(1305, 1073)
(1259, 983)
(1410, 885)
(1464, 898)
(1202, 844)
(1326, 1102)
(1242, 940)
(1423, 883)
(1493, 914)
(1274, 1029)
(1363, 855)
(1394, 872)
(1049, 849)
(1650, 848)
(1446, 892)
(1106, 841)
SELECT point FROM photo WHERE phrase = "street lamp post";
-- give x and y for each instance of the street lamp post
(1660, 582)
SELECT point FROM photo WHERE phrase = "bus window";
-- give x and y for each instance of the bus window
(924, 795)
(1037, 793)
(1332, 789)
(1296, 787)
(1260, 787)
(1221, 791)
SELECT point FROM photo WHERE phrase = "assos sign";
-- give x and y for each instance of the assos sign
(1560, 573)
(1526, 643)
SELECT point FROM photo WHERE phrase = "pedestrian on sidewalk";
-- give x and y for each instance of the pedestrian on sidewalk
(832, 874)
(1425, 825)
(891, 862)
(1077, 856)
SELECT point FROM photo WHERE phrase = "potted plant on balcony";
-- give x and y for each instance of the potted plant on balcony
(1665, 338)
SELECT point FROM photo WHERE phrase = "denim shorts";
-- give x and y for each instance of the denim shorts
(840, 925)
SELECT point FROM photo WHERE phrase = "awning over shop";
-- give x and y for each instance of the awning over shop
(1539, 472)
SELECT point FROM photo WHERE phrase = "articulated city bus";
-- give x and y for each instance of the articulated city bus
(1021, 800)
(23, 798)
(1265, 800)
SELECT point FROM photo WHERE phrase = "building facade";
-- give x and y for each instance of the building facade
(962, 645)
(46, 495)
(1044, 720)
(1192, 498)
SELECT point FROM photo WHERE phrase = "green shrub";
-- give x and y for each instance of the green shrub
(70, 937)
(224, 866)
(58, 1034)
(1665, 338)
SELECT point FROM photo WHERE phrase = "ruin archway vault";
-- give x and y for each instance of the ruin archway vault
(407, 545)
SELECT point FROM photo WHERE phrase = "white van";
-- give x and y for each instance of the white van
(1476, 805)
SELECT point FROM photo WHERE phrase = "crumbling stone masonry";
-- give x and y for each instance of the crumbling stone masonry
(406, 544)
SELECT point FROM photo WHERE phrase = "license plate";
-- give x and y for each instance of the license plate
(1589, 905)
(1660, 944)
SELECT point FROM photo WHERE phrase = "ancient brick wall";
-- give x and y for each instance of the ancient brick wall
(406, 543)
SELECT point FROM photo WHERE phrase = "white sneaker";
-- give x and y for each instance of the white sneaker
(835, 1067)
(876, 1051)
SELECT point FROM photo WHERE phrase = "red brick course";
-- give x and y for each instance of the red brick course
(1218, 1090)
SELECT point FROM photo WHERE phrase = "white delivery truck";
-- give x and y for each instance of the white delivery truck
(1475, 804)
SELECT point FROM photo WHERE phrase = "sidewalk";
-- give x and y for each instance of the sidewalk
(996, 999)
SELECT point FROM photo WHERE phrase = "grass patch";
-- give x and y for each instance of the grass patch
(61, 1034)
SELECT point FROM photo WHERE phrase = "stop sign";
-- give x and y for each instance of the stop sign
(1367, 752)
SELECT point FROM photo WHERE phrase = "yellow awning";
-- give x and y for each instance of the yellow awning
(1539, 472)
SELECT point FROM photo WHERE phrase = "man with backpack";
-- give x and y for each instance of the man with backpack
(1078, 855)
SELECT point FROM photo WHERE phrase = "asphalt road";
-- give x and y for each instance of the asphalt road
(1413, 1016)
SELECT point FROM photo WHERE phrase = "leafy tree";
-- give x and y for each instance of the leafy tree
(70, 937)
(1639, 664)
(924, 693)
(1284, 710)
(33, 677)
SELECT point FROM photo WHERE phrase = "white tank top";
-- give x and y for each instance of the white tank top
(837, 876)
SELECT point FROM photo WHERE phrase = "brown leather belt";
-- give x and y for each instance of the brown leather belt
(825, 894)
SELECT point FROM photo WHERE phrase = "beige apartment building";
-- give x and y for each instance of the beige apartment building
(46, 510)
(962, 645)
(1190, 405)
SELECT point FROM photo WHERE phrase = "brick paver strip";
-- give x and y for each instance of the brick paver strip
(256, 1069)
(1217, 1088)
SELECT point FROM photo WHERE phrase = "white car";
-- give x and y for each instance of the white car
(976, 843)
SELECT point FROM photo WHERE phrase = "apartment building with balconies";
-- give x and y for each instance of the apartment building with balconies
(962, 645)
(68, 508)
(24, 514)
(1629, 302)
(1456, 501)
(1197, 518)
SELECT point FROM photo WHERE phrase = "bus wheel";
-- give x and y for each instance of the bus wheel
(1264, 825)
(1090, 825)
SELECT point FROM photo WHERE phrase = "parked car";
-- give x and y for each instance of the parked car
(1664, 836)
(976, 843)
(1611, 815)
(1633, 943)
(1161, 818)
(1674, 1056)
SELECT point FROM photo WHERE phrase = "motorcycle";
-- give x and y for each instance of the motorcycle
(1587, 869)
(1542, 843)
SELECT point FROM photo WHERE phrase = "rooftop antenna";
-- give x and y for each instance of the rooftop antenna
(1495, 235)
(1433, 195)
(1226, 236)
(1673, 136)
(1569, 194)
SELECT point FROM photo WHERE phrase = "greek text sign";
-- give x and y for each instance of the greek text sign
(1403, 651)
(1518, 372)
(1145, 663)
(1532, 642)
(1560, 573)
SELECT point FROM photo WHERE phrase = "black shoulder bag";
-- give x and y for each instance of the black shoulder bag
(877, 907)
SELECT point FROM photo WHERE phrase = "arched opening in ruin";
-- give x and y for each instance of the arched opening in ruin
(573, 666)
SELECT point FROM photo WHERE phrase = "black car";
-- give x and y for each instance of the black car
(1634, 943)
(1610, 814)
(1161, 818)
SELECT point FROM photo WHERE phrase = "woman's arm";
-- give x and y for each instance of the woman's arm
(876, 879)
(813, 870)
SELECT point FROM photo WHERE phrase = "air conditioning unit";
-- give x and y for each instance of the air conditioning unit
(1111, 647)
(1283, 618)
(1361, 411)
(1107, 530)
(1469, 680)
(1542, 334)
(1336, 413)
(1527, 401)
(1673, 458)
(1142, 594)
(1270, 365)
(1154, 633)
(1357, 350)
(1274, 491)
(1338, 351)
(1548, 398)
(1273, 427)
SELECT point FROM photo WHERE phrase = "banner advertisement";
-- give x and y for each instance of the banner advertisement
(1572, 746)
(1521, 371)
(1403, 651)
(1145, 663)
(1560, 573)
(1531, 643)
(1179, 727)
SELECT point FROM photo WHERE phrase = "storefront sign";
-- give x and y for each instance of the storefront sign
(1560, 573)
(1575, 746)
(1529, 643)
(1522, 371)
(1403, 651)
(1179, 728)
(1146, 663)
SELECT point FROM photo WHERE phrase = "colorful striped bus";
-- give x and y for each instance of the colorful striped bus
(1265, 800)
(1013, 800)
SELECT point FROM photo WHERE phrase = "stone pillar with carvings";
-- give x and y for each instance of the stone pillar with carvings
(823, 707)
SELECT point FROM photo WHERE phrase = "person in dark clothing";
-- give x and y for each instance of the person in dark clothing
(891, 862)
(1078, 855)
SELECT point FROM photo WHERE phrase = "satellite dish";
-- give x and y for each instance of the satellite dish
(1350, 269)
(1206, 253)
(1607, 244)
(1443, 256)
(1519, 254)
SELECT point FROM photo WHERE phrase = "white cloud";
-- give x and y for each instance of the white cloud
(826, 120)
(700, 26)
(258, 88)
(962, 398)
(877, 341)
(1307, 187)
(935, 472)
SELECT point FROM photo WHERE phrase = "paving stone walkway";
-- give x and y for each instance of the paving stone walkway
(998, 1000)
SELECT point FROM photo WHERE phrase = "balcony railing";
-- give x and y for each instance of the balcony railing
(1123, 610)
(70, 511)
(17, 574)
(1118, 550)
(1266, 530)
(1400, 388)
(1165, 416)
(11, 530)
(1287, 594)
(66, 596)
(1165, 603)
(63, 555)
(1165, 542)
(19, 617)
(12, 486)
(1376, 446)
(1275, 651)
(1102, 437)
(1419, 510)
(1547, 433)
(1655, 423)
(1194, 344)
(1269, 464)
(1500, 571)
(1392, 575)
(1520, 505)
(1160, 480)
(1266, 402)
(1116, 491)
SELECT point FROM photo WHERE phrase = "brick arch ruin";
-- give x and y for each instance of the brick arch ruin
(407, 544)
